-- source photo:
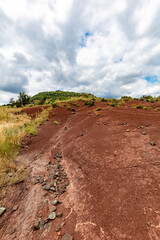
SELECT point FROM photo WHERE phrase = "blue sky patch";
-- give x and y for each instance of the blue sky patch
(84, 39)
(151, 78)
(87, 34)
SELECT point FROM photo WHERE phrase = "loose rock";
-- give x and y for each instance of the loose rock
(144, 133)
(36, 224)
(52, 189)
(67, 237)
(53, 208)
(52, 216)
(15, 208)
(55, 202)
(153, 143)
(57, 228)
(47, 187)
(59, 214)
(2, 210)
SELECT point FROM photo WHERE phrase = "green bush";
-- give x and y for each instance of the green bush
(54, 104)
(98, 109)
(126, 98)
(140, 106)
(89, 103)
(104, 100)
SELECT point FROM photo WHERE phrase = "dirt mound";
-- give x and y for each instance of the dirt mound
(103, 169)
(32, 111)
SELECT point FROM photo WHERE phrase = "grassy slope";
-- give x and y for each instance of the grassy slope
(60, 95)
(13, 127)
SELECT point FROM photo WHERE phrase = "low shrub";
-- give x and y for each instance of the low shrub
(54, 104)
(140, 106)
(89, 103)
(113, 104)
(146, 108)
(98, 109)
(104, 100)
(126, 98)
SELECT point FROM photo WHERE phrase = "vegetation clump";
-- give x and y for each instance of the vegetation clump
(140, 106)
(89, 103)
(14, 125)
(126, 98)
(23, 99)
(98, 109)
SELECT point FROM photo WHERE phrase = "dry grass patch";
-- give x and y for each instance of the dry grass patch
(57, 122)
(14, 125)
(97, 111)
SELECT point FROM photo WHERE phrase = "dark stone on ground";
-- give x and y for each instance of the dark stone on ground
(55, 202)
(59, 214)
(67, 237)
(57, 228)
(47, 187)
(36, 224)
(144, 133)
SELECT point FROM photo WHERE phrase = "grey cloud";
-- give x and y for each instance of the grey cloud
(19, 58)
(126, 22)
(14, 85)
(154, 60)
(50, 53)
(128, 78)
(5, 28)
(11, 78)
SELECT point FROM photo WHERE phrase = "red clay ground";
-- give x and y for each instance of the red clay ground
(113, 173)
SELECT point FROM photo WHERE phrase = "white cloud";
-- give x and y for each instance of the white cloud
(103, 47)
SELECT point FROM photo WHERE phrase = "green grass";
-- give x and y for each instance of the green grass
(31, 129)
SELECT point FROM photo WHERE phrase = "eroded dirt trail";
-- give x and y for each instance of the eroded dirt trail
(112, 170)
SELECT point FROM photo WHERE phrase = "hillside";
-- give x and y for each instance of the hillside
(59, 95)
(92, 174)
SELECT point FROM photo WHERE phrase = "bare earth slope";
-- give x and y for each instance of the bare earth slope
(112, 170)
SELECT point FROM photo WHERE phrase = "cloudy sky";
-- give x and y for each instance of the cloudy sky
(107, 47)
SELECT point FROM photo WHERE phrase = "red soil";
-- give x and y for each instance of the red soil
(32, 111)
(113, 172)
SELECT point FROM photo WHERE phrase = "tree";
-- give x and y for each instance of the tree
(23, 99)
(12, 102)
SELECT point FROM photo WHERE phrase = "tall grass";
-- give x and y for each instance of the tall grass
(13, 127)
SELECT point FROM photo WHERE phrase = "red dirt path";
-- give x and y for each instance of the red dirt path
(113, 172)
